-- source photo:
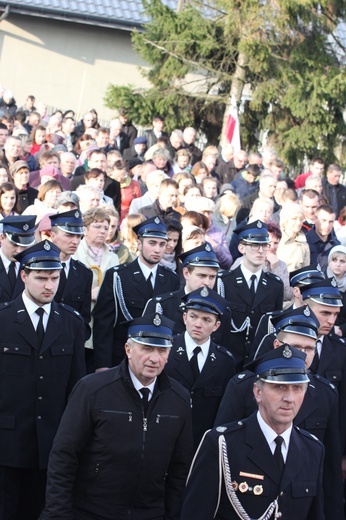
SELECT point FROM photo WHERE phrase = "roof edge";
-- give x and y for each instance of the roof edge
(70, 17)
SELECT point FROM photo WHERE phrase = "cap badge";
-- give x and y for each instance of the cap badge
(157, 320)
(77, 214)
(25, 227)
(306, 311)
(157, 220)
(207, 247)
(333, 282)
(287, 353)
(259, 224)
(204, 292)
(47, 246)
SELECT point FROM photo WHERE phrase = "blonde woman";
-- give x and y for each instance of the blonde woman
(293, 248)
(224, 215)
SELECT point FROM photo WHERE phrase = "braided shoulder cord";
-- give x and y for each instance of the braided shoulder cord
(232, 496)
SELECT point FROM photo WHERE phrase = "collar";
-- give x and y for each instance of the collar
(138, 385)
(247, 274)
(271, 435)
(191, 344)
(31, 307)
(7, 262)
(146, 270)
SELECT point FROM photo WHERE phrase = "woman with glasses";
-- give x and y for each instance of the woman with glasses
(95, 254)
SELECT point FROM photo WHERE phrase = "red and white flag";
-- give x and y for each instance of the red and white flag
(232, 133)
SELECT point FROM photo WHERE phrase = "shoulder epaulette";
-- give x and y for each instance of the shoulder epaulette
(324, 381)
(230, 427)
(168, 269)
(272, 275)
(224, 351)
(70, 309)
(82, 265)
(4, 305)
(308, 435)
(243, 376)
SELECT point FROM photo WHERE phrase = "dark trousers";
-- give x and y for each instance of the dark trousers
(22, 493)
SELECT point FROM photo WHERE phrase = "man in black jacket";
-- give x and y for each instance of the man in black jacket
(124, 445)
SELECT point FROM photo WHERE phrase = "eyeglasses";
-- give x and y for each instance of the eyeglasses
(306, 350)
(256, 247)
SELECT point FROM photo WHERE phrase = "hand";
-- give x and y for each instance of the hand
(94, 293)
(272, 259)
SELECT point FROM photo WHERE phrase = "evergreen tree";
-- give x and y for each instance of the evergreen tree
(203, 55)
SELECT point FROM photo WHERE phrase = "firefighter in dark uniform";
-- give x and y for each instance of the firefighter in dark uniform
(200, 267)
(18, 233)
(298, 279)
(319, 411)
(250, 291)
(261, 466)
(75, 278)
(125, 291)
(202, 366)
(41, 359)
(124, 445)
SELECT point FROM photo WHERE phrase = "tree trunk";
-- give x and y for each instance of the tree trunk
(238, 82)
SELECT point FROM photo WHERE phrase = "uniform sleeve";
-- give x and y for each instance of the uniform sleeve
(317, 508)
(232, 406)
(202, 489)
(178, 469)
(85, 311)
(104, 316)
(72, 436)
(78, 369)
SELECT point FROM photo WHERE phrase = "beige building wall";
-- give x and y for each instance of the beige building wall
(65, 65)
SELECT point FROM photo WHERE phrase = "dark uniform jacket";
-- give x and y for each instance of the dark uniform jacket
(299, 493)
(123, 296)
(77, 292)
(172, 307)
(151, 137)
(208, 389)
(35, 383)
(6, 293)
(332, 366)
(318, 415)
(269, 297)
(108, 463)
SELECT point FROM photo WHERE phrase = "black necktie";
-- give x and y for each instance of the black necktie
(252, 285)
(12, 275)
(150, 285)
(194, 362)
(39, 328)
(278, 454)
(62, 284)
(145, 400)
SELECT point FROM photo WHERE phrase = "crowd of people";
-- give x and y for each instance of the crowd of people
(199, 290)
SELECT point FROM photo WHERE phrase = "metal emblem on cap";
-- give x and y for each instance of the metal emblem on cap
(287, 353)
(46, 245)
(306, 311)
(333, 282)
(25, 227)
(204, 292)
(157, 220)
(157, 320)
(259, 224)
(77, 214)
(207, 247)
